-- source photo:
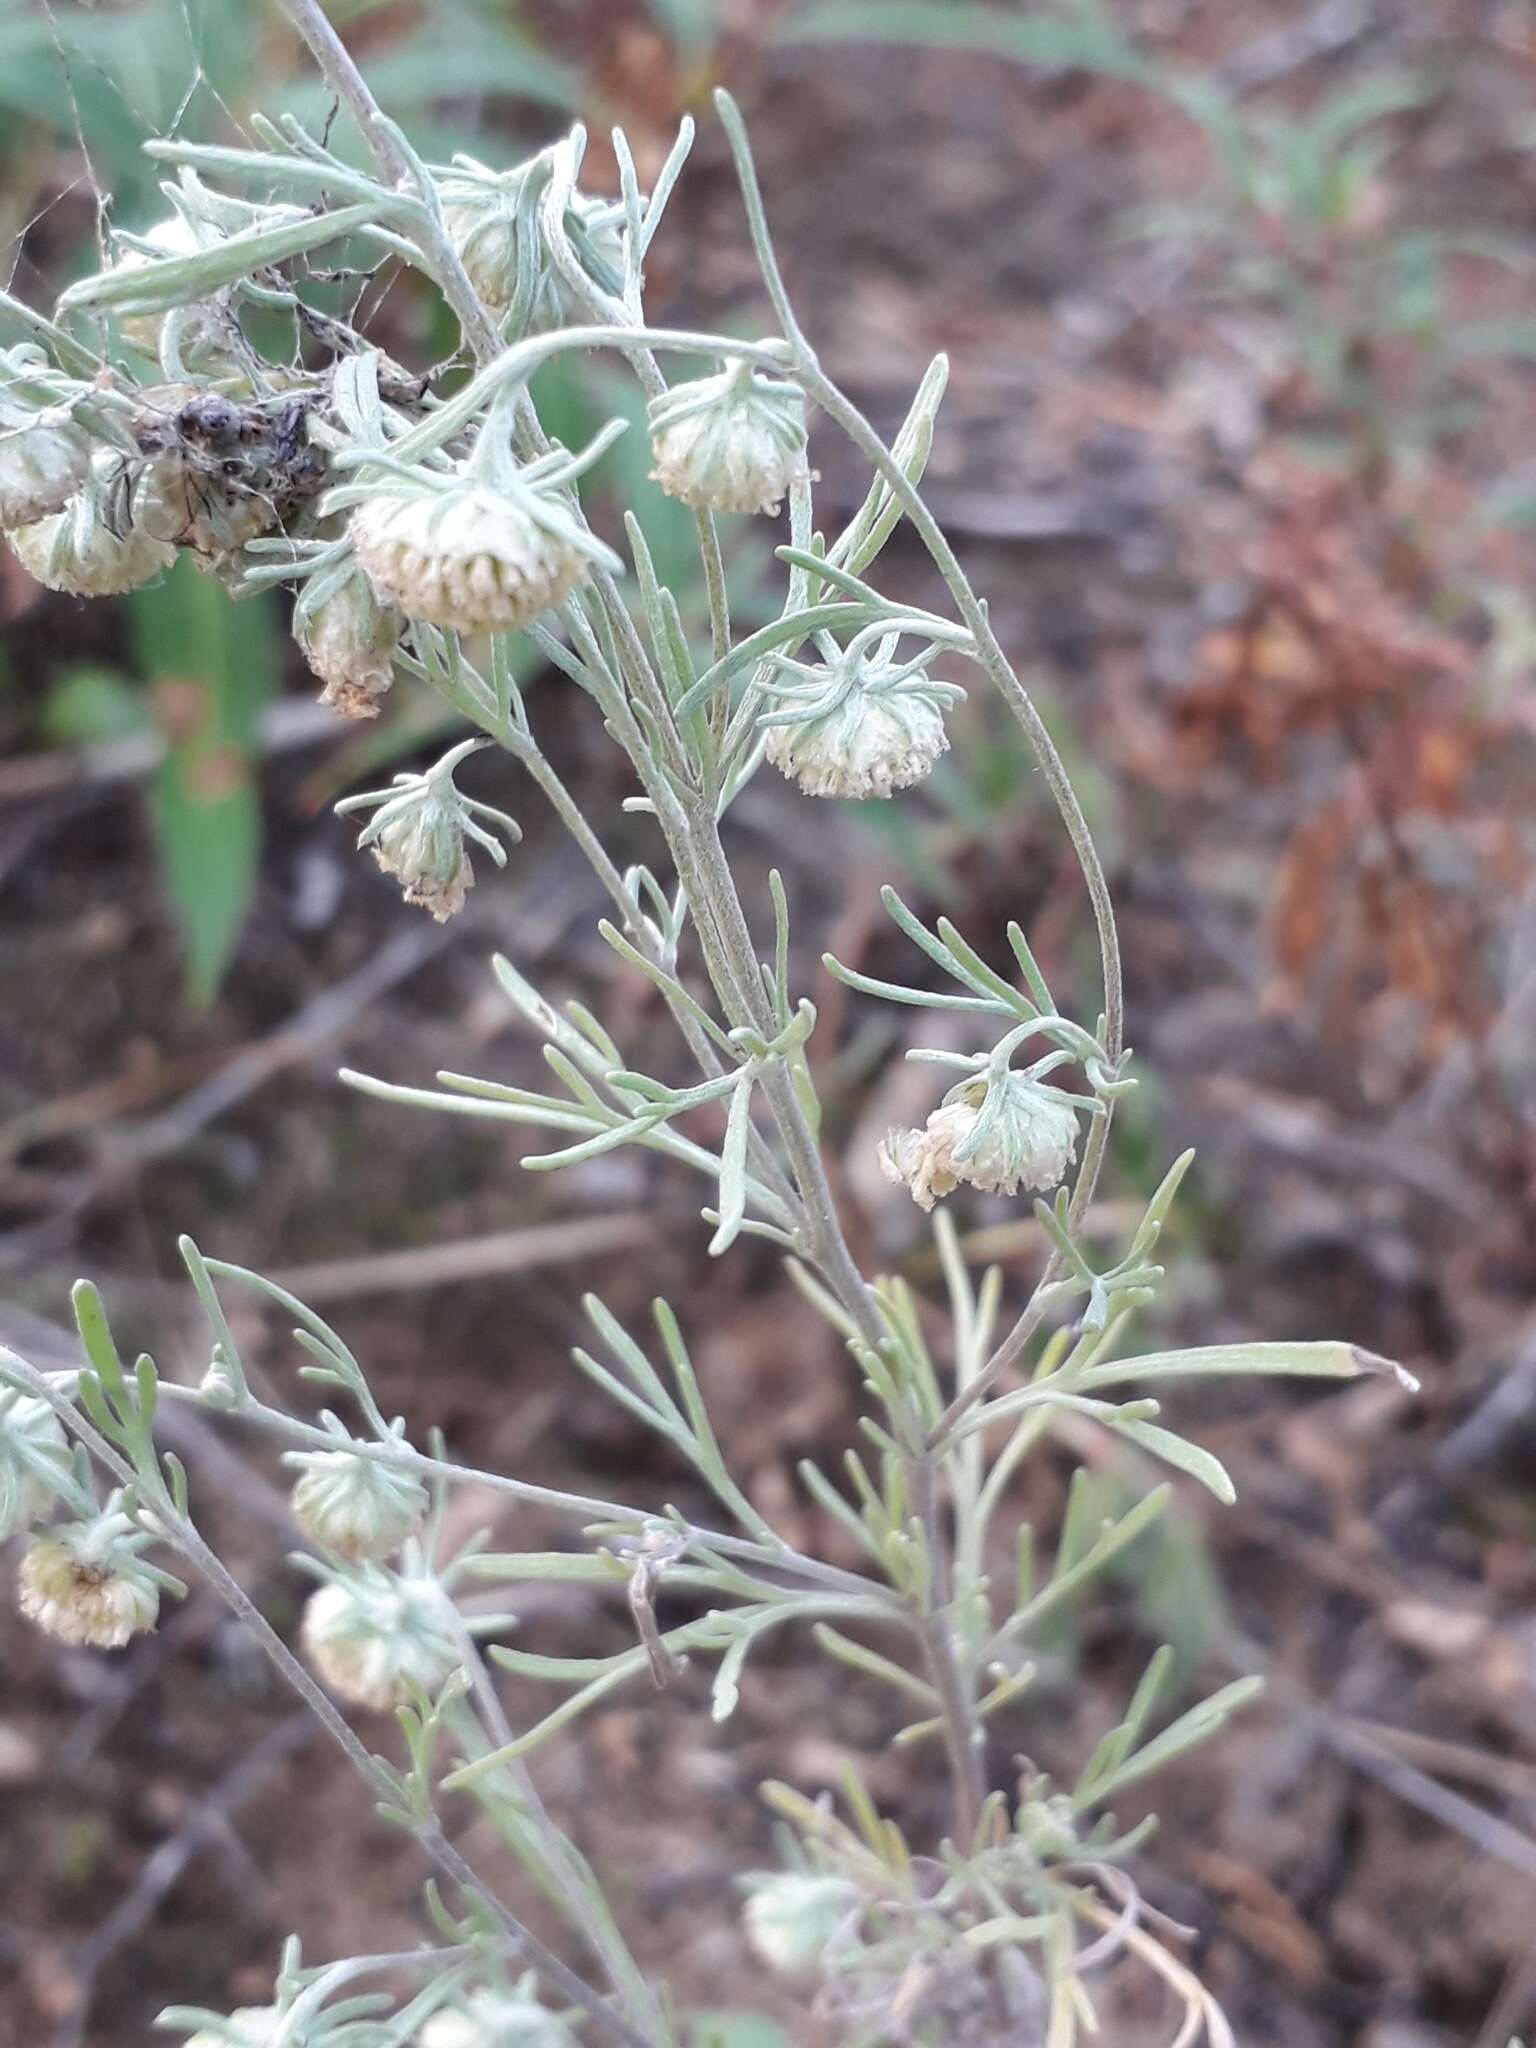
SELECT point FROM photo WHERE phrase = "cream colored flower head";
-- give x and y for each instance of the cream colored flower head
(85, 1583)
(375, 1636)
(419, 830)
(362, 1508)
(859, 723)
(998, 1134)
(729, 443)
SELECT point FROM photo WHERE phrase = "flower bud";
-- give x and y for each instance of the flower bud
(469, 557)
(200, 325)
(418, 831)
(82, 1583)
(359, 1507)
(77, 552)
(349, 640)
(42, 465)
(1001, 1134)
(729, 443)
(496, 2019)
(493, 220)
(33, 1454)
(375, 1635)
(790, 1918)
(862, 725)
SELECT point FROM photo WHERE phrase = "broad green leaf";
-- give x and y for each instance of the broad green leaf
(211, 667)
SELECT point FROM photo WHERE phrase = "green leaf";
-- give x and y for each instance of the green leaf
(1326, 1361)
(1176, 1451)
(212, 668)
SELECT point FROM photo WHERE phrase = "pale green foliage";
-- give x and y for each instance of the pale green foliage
(466, 523)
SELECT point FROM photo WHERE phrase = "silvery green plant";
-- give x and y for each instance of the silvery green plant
(422, 522)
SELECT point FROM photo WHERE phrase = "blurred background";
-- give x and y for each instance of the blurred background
(1241, 444)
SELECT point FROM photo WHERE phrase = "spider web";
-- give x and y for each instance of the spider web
(91, 65)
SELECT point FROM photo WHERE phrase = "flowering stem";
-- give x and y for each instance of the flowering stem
(179, 1532)
(347, 82)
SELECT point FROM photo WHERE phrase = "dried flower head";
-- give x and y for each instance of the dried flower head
(76, 551)
(734, 442)
(418, 833)
(792, 1915)
(860, 723)
(374, 1635)
(33, 1457)
(85, 1583)
(494, 221)
(999, 1134)
(501, 2018)
(349, 640)
(359, 1507)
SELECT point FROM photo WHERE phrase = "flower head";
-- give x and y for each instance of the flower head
(419, 829)
(1000, 1133)
(361, 1508)
(33, 1456)
(501, 2018)
(734, 442)
(494, 220)
(201, 330)
(375, 1636)
(84, 1582)
(859, 724)
(349, 640)
(76, 551)
(42, 464)
(479, 550)
(791, 1916)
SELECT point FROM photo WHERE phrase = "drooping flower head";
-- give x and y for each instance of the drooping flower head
(494, 221)
(349, 640)
(484, 548)
(734, 442)
(418, 833)
(85, 1582)
(375, 1635)
(360, 1507)
(860, 723)
(999, 1132)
